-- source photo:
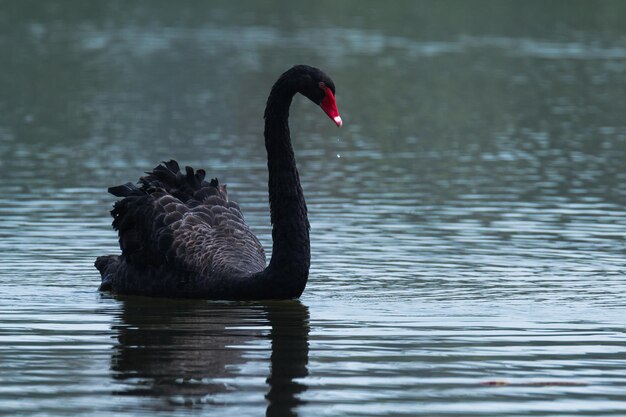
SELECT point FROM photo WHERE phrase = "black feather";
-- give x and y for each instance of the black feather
(125, 190)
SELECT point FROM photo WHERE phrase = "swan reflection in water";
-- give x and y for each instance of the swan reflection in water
(190, 353)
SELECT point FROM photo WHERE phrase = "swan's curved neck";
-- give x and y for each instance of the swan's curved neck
(291, 254)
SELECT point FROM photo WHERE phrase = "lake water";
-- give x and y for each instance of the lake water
(468, 222)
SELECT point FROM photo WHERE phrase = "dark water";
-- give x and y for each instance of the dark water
(468, 221)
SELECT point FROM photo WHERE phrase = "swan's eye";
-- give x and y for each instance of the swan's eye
(322, 85)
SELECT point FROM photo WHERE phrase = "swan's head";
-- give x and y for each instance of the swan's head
(320, 89)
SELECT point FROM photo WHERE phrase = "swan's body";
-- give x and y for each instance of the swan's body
(180, 236)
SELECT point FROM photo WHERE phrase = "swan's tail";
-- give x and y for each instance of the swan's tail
(107, 265)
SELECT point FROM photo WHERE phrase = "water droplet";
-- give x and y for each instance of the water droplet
(338, 156)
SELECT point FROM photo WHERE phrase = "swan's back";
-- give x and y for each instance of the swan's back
(178, 233)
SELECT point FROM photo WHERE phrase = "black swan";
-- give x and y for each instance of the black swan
(181, 237)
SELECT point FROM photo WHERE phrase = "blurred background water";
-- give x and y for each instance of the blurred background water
(467, 222)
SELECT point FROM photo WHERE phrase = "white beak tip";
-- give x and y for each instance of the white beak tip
(338, 121)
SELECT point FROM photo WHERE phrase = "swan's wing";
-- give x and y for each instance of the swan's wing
(184, 222)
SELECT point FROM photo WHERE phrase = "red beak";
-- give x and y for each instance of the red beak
(329, 105)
